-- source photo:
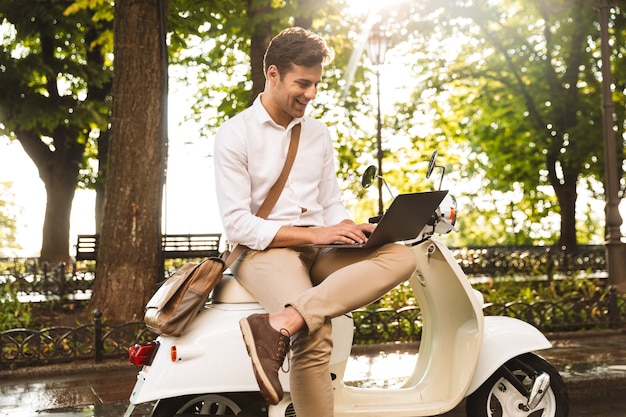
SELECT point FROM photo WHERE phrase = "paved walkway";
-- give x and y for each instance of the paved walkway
(593, 365)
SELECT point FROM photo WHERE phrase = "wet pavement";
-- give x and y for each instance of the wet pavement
(593, 365)
(67, 390)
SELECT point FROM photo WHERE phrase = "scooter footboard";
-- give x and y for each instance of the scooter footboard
(504, 339)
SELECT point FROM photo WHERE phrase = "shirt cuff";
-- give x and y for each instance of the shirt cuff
(267, 233)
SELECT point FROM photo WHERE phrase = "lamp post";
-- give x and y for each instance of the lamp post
(376, 49)
(615, 248)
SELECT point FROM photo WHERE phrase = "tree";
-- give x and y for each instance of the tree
(55, 83)
(129, 258)
(524, 92)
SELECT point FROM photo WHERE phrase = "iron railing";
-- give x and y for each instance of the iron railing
(96, 342)
(545, 261)
(62, 344)
(31, 277)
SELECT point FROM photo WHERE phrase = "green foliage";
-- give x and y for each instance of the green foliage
(532, 291)
(518, 89)
(51, 68)
(505, 290)
(13, 313)
(400, 297)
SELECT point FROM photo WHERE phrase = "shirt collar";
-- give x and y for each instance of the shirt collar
(264, 116)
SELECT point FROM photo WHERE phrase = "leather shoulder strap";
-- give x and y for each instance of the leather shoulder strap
(275, 191)
(277, 188)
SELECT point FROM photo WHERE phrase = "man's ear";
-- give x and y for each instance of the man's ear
(272, 73)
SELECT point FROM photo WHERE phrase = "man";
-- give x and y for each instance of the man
(301, 286)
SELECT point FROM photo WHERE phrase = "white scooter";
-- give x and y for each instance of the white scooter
(462, 355)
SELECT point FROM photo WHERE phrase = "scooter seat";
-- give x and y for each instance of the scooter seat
(229, 291)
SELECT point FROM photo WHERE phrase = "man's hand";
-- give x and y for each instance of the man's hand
(344, 232)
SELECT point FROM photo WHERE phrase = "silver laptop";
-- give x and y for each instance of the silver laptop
(404, 220)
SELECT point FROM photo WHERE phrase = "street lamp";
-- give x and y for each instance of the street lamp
(615, 248)
(376, 49)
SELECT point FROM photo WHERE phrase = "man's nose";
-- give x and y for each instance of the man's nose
(311, 92)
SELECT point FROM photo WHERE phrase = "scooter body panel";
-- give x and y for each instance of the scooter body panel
(504, 339)
(211, 356)
(449, 349)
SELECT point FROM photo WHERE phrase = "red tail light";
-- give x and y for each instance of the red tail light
(140, 355)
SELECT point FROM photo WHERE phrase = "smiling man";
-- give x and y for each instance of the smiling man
(302, 287)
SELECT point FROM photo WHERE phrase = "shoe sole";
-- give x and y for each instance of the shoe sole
(264, 383)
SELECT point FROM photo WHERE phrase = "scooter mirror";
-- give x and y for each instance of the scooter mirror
(432, 164)
(368, 176)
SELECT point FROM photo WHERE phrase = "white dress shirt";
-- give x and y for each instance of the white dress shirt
(250, 152)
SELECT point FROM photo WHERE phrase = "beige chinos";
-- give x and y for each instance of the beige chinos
(320, 284)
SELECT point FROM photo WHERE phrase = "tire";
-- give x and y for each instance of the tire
(211, 404)
(497, 397)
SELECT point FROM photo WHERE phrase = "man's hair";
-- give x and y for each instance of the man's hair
(296, 46)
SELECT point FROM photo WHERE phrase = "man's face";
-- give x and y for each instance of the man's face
(290, 92)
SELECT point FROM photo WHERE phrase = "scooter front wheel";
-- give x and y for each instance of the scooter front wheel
(209, 404)
(498, 396)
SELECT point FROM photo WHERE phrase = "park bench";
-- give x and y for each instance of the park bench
(173, 246)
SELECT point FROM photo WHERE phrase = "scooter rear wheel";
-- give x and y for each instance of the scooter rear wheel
(497, 397)
(209, 404)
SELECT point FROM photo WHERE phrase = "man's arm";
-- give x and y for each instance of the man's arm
(345, 232)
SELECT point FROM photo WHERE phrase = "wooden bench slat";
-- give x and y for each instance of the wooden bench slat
(173, 246)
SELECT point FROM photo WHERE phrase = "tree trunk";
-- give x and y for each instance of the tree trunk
(564, 186)
(103, 163)
(305, 11)
(567, 196)
(101, 93)
(129, 256)
(259, 40)
(60, 189)
(59, 172)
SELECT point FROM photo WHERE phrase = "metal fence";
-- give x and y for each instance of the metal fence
(30, 277)
(605, 310)
(545, 261)
(62, 344)
(96, 342)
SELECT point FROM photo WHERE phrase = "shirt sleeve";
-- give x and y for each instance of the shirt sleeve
(233, 191)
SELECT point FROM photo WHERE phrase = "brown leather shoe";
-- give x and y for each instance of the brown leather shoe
(267, 349)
